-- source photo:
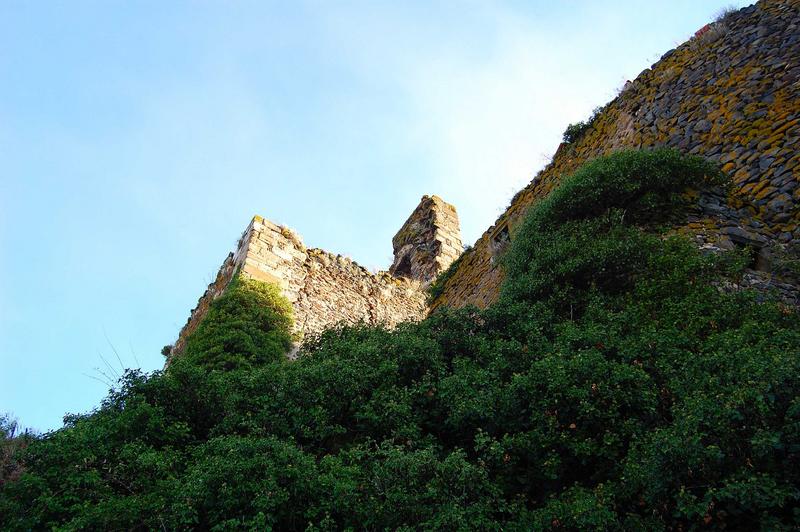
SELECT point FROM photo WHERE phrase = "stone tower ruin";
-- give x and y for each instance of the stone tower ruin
(325, 288)
(428, 242)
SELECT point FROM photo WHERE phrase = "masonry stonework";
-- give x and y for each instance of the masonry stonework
(428, 242)
(326, 289)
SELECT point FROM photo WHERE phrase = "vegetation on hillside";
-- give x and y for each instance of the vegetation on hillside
(247, 325)
(613, 387)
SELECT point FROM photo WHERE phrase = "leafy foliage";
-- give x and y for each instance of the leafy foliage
(578, 129)
(613, 387)
(249, 324)
(575, 131)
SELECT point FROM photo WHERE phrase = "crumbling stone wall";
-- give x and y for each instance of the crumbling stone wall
(428, 242)
(729, 94)
(339, 290)
(326, 289)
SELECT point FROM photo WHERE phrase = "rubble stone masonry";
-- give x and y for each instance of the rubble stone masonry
(428, 242)
(326, 289)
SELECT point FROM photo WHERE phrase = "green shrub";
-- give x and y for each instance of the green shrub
(12, 441)
(586, 233)
(249, 324)
(648, 185)
(577, 130)
(614, 386)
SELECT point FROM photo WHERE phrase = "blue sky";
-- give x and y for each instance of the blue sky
(138, 138)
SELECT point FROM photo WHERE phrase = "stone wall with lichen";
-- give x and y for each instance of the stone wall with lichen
(730, 94)
(324, 289)
(338, 290)
(428, 242)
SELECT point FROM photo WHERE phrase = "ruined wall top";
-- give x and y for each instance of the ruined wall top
(326, 289)
(428, 242)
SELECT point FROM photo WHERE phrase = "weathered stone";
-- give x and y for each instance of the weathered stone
(738, 234)
(702, 126)
(327, 289)
(428, 242)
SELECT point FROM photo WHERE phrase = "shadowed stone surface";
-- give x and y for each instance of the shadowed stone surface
(428, 242)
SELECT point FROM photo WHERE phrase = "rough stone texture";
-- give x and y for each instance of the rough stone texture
(339, 290)
(326, 289)
(428, 242)
(729, 94)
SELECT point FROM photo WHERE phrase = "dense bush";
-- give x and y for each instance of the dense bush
(575, 131)
(249, 324)
(613, 387)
